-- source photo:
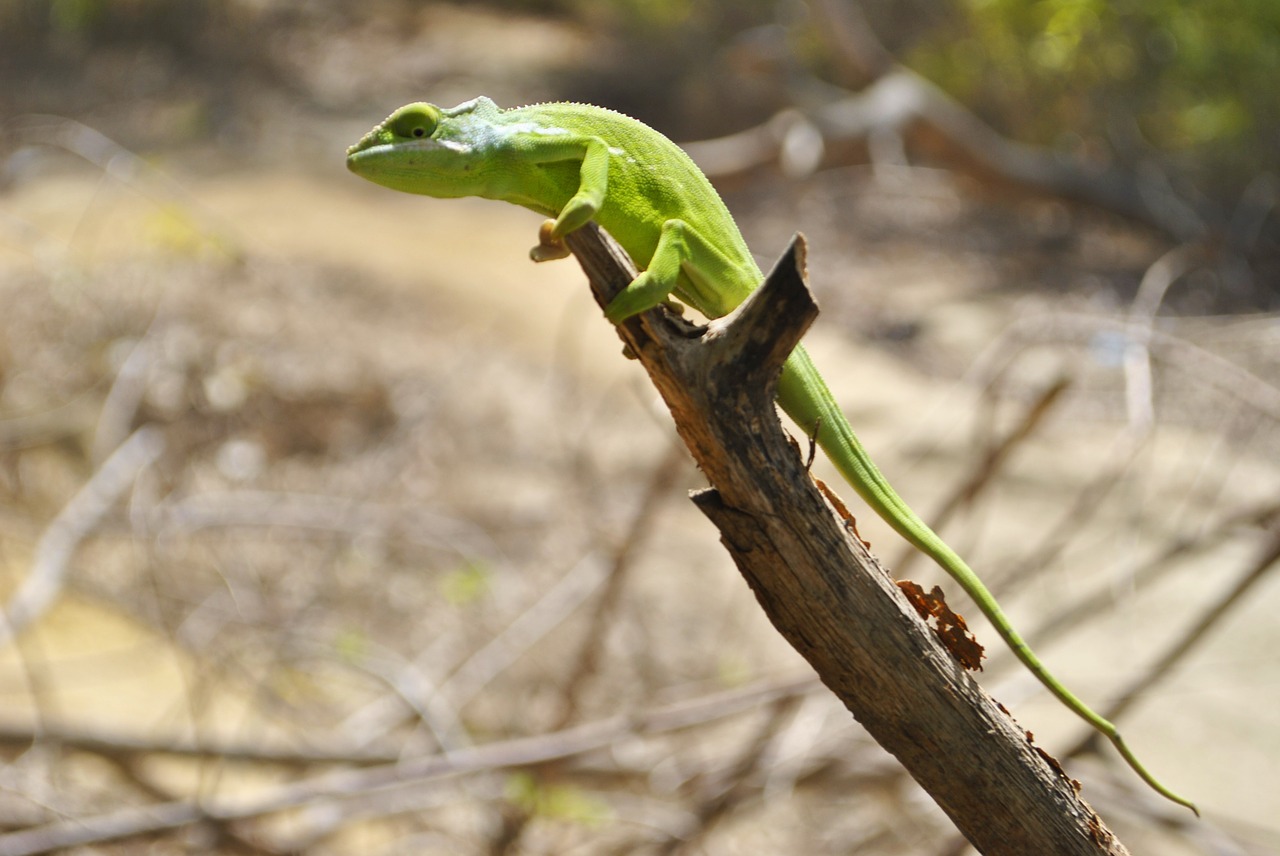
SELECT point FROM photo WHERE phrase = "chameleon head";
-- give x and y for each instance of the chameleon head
(415, 151)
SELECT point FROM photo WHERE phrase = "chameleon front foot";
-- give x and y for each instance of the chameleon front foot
(549, 247)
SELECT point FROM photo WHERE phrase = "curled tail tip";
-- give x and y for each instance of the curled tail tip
(1172, 797)
(1146, 776)
(1182, 801)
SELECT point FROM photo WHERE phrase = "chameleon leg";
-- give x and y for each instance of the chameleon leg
(592, 155)
(677, 266)
(593, 181)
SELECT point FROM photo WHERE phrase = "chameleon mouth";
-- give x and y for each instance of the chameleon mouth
(376, 156)
(358, 157)
(375, 141)
(364, 148)
(368, 141)
(377, 137)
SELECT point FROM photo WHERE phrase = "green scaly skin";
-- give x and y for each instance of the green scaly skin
(574, 163)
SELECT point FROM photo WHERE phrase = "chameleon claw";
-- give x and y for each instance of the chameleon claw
(813, 444)
(549, 246)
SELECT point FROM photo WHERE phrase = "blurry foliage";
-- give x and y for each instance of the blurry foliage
(555, 801)
(97, 21)
(467, 584)
(167, 43)
(646, 18)
(173, 228)
(653, 13)
(1193, 80)
(351, 644)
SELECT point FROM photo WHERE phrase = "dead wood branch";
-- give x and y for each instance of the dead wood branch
(1197, 542)
(72, 525)
(819, 586)
(386, 780)
(902, 101)
(1267, 560)
(1203, 366)
(122, 165)
(592, 646)
(734, 786)
(111, 744)
(68, 423)
(984, 471)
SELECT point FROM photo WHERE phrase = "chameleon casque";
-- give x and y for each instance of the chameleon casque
(576, 162)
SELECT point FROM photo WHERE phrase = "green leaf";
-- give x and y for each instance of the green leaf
(555, 801)
(466, 585)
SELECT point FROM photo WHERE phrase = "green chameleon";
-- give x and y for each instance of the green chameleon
(575, 163)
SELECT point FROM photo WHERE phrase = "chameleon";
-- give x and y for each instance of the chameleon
(573, 163)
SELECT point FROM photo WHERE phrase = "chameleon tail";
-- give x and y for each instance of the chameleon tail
(805, 398)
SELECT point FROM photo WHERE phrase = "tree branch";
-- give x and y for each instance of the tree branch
(75, 522)
(383, 780)
(817, 583)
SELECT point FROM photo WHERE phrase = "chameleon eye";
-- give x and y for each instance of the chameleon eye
(414, 121)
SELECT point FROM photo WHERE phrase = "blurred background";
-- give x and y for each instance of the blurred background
(329, 524)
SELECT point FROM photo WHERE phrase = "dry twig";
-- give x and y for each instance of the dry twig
(73, 524)
(388, 779)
